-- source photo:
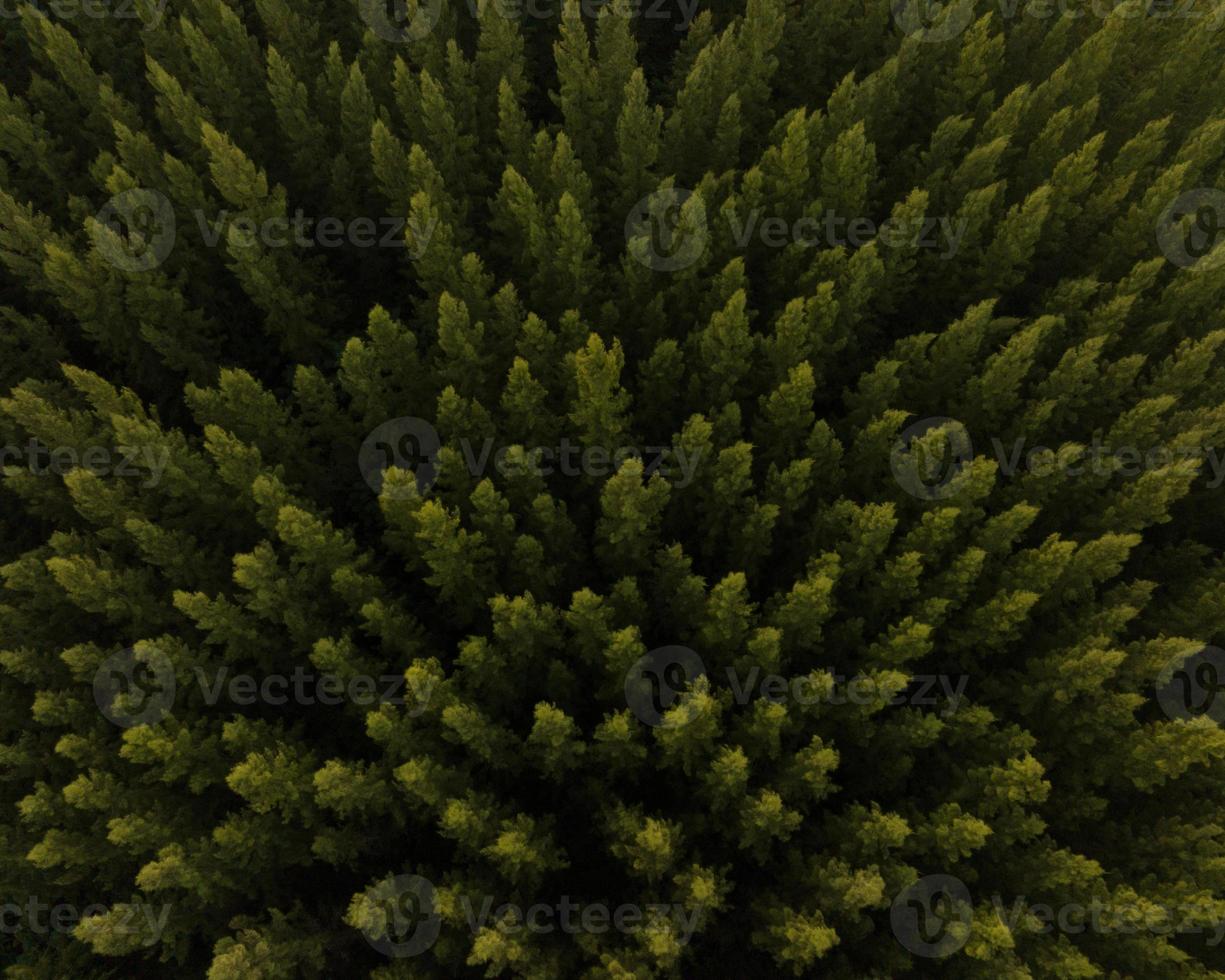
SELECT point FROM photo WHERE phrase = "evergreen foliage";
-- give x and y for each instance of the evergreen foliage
(518, 170)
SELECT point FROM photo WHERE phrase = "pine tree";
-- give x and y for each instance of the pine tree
(756, 470)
